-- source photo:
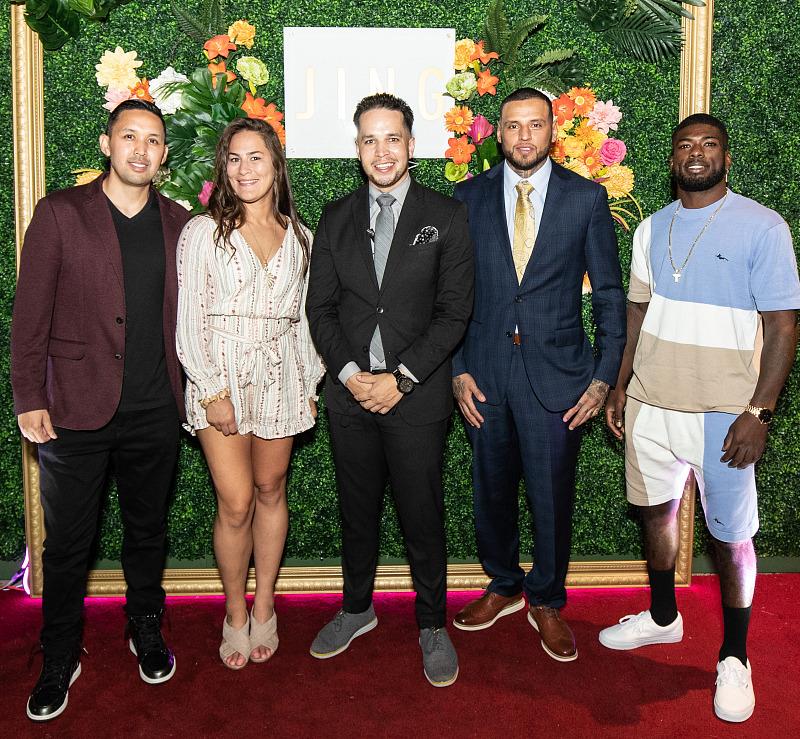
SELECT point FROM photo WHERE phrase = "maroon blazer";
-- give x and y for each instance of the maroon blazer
(68, 324)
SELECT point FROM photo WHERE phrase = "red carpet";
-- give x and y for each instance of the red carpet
(508, 686)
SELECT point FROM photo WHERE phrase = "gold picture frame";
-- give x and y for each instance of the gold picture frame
(29, 178)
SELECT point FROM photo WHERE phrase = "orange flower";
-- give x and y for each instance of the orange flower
(487, 82)
(591, 158)
(584, 100)
(254, 107)
(458, 119)
(218, 46)
(563, 109)
(141, 91)
(220, 68)
(460, 150)
(557, 151)
(280, 130)
(479, 53)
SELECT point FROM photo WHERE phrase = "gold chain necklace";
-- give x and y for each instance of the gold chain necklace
(677, 271)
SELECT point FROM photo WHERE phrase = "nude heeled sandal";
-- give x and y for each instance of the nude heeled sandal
(263, 635)
(233, 641)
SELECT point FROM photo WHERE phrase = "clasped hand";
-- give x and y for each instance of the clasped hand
(375, 393)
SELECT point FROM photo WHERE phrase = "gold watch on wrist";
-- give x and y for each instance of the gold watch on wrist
(764, 415)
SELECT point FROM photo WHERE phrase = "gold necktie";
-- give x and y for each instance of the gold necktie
(524, 228)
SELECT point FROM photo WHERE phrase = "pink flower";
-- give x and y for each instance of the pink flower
(205, 194)
(480, 130)
(612, 151)
(114, 97)
(605, 116)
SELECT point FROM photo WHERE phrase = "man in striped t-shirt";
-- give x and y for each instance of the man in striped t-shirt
(712, 333)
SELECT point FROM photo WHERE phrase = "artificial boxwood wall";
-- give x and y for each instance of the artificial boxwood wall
(745, 33)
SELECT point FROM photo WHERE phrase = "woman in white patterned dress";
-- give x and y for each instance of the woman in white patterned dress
(252, 369)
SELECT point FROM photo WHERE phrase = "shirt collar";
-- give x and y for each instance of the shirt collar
(539, 179)
(399, 192)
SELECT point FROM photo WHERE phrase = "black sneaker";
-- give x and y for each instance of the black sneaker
(156, 660)
(49, 697)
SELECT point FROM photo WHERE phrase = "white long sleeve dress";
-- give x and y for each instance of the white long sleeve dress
(242, 326)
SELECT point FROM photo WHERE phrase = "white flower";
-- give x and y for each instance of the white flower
(168, 103)
(185, 203)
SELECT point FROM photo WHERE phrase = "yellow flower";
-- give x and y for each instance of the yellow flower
(116, 69)
(464, 51)
(618, 181)
(573, 147)
(242, 33)
(591, 137)
(577, 166)
(85, 176)
(565, 128)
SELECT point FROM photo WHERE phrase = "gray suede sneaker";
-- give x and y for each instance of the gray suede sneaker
(439, 660)
(336, 635)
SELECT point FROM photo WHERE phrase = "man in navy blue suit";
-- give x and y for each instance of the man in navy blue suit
(525, 376)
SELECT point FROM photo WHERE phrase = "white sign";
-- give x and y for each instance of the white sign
(328, 70)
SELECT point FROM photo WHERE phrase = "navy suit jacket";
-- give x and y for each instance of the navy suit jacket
(576, 235)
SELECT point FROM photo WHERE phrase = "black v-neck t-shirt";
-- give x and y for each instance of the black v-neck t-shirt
(141, 242)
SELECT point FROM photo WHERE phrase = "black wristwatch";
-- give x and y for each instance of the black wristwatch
(404, 383)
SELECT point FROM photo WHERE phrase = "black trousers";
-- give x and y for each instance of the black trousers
(140, 448)
(520, 437)
(368, 450)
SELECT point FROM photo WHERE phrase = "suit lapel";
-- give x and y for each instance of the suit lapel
(553, 202)
(362, 239)
(410, 218)
(103, 225)
(171, 230)
(496, 200)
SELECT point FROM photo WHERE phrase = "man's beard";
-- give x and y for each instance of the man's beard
(524, 165)
(699, 183)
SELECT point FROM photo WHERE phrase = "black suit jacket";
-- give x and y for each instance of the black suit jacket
(422, 306)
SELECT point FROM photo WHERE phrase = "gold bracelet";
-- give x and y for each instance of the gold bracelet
(221, 395)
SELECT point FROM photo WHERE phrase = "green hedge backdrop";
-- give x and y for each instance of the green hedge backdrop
(754, 46)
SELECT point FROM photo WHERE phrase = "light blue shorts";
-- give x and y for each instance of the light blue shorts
(661, 446)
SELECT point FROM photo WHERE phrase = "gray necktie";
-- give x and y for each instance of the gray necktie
(382, 242)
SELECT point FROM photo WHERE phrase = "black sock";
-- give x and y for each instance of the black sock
(663, 607)
(734, 644)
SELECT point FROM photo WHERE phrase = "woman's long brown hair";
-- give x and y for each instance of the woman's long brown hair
(227, 209)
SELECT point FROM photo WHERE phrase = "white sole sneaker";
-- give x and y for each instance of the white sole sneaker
(640, 630)
(557, 657)
(441, 683)
(150, 680)
(34, 717)
(359, 632)
(734, 699)
(508, 610)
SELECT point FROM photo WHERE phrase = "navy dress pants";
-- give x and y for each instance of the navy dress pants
(140, 448)
(521, 438)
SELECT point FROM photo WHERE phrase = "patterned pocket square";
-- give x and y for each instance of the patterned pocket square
(427, 235)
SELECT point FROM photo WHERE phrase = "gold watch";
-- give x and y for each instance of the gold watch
(764, 415)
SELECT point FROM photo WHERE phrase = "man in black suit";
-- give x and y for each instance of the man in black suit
(526, 377)
(389, 296)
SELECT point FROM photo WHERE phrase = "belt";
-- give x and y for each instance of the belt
(266, 347)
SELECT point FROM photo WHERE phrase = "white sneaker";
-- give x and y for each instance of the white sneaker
(639, 630)
(734, 699)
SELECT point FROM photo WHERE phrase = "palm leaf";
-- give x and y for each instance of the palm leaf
(188, 22)
(54, 21)
(670, 6)
(517, 37)
(647, 37)
(495, 28)
(542, 79)
(553, 56)
(601, 15)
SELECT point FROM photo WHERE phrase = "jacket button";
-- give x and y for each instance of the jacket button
(119, 319)
(117, 356)
(509, 334)
(380, 309)
(365, 349)
(517, 298)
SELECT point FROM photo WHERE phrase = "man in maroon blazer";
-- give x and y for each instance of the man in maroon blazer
(97, 386)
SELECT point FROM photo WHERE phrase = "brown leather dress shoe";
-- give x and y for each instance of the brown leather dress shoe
(557, 637)
(483, 612)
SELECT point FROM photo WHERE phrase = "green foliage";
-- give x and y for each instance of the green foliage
(648, 30)
(201, 24)
(549, 71)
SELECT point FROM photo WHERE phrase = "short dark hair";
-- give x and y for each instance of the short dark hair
(134, 104)
(706, 120)
(389, 102)
(525, 93)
